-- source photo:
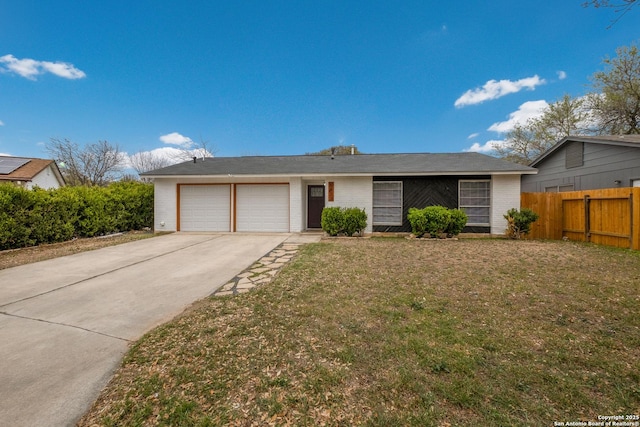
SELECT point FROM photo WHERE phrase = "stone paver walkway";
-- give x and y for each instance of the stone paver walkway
(266, 268)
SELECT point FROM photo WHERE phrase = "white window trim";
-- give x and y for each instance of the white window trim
(461, 207)
(401, 204)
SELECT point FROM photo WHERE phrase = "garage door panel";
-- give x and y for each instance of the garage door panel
(262, 208)
(205, 207)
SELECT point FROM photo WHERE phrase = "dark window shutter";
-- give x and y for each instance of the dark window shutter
(574, 154)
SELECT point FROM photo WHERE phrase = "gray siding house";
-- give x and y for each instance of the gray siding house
(579, 163)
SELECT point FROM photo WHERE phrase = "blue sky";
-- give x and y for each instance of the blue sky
(291, 77)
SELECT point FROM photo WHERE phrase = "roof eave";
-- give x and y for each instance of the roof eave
(345, 174)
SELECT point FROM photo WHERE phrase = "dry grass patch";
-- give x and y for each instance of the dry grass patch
(388, 332)
(15, 257)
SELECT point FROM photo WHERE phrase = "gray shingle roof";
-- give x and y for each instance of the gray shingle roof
(359, 164)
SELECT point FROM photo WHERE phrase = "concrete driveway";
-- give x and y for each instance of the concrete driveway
(66, 323)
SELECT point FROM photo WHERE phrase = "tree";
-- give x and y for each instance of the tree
(190, 150)
(565, 117)
(338, 150)
(145, 161)
(94, 164)
(616, 103)
(620, 6)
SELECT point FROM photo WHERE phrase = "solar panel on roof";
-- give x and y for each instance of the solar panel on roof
(9, 164)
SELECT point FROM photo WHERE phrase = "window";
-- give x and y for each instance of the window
(387, 203)
(558, 188)
(475, 201)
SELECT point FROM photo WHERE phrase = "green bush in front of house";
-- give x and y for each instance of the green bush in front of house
(355, 221)
(519, 222)
(33, 217)
(346, 221)
(436, 221)
(457, 222)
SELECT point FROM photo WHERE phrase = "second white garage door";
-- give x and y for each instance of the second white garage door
(262, 207)
(205, 207)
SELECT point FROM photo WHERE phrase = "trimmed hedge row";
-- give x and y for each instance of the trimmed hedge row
(33, 217)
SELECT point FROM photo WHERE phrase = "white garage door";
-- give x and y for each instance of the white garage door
(205, 207)
(262, 207)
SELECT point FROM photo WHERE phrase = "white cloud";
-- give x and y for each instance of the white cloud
(562, 75)
(30, 68)
(526, 111)
(473, 135)
(494, 89)
(487, 147)
(175, 138)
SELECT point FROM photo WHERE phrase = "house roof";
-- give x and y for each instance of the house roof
(346, 165)
(25, 169)
(621, 140)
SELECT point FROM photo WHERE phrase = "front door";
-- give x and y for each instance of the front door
(315, 204)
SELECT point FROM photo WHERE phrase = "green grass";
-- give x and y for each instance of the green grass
(395, 332)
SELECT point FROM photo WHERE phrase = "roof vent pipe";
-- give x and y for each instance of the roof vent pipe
(333, 153)
(194, 159)
(353, 149)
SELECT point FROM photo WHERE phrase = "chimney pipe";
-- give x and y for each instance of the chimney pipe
(194, 159)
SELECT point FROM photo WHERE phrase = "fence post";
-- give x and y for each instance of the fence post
(631, 220)
(587, 225)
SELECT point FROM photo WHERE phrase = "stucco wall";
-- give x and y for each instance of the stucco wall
(505, 194)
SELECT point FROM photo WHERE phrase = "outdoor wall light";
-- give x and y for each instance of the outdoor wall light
(617, 182)
(161, 223)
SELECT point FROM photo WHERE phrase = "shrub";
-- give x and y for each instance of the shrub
(436, 220)
(347, 221)
(457, 222)
(32, 217)
(519, 222)
(331, 220)
(418, 221)
(354, 221)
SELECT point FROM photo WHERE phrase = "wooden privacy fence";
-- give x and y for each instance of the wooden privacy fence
(607, 217)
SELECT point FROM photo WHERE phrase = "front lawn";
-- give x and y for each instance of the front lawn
(395, 332)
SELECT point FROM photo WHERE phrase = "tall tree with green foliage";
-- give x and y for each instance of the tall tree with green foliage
(616, 101)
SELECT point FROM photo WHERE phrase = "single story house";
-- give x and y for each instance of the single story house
(29, 173)
(579, 163)
(288, 193)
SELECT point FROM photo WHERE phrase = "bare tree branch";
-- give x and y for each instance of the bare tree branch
(622, 7)
(94, 164)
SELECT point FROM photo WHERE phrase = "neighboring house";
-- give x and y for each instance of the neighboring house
(579, 163)
(288, 193)
(30, 173)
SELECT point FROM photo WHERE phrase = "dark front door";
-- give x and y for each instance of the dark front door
(315, 204)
